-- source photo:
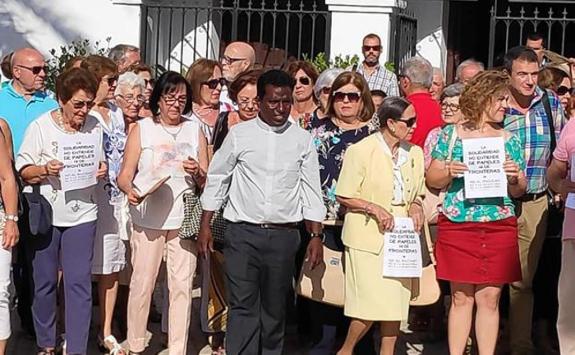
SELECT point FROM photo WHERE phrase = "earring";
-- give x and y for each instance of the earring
(392, 129)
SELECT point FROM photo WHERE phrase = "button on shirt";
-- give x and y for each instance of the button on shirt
(265, 174)
(19, 112)
(533, 132)
(381, 79)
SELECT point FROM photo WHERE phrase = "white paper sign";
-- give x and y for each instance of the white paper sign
(484, 158)
(80, 154)
(402, 250)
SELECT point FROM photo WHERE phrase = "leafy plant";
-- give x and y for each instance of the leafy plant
(80, 47)
(322, 62)
(390, 66)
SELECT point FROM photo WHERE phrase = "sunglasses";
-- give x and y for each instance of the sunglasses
(408, 122)
(150, 82)
(35, 70)
(351, 96)
(562, 90)
(304, 80)
(229, 60)
(78, 105)
(326, 90)
(371, 48)
(112, 79)
(213, 84)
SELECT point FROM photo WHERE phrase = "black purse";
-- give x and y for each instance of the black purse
(39, 212)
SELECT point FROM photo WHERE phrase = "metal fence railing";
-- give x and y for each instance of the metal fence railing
(403, 36)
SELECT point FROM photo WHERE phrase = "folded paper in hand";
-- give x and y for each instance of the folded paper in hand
(146, 189)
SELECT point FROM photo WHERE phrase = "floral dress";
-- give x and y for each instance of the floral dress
(458, 209)
(331, 143)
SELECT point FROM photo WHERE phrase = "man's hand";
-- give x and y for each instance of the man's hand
(314, 254)
(205, 243)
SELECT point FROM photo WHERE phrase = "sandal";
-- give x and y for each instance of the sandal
(111, 346)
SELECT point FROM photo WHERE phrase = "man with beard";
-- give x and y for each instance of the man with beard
(377, 77)
(239, 57)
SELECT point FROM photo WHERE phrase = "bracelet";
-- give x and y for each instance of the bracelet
(10, 217)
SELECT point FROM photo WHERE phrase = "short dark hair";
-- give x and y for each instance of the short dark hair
(519, 53)
(536, 36)
(371, 35)
(391, 107)
(71, 81)
(167, 83)
(245, 78)
(274, 77)
(378, 92)
(139, 68)
(6, 65)
(307, 67)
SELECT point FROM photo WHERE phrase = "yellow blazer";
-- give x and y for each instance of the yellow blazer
(367, 174)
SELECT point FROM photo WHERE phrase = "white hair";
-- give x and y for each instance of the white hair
(419, 71)
(325, 79)
(467, 63)
(129, 80)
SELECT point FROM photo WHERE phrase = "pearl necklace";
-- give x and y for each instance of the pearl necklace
(60, 118)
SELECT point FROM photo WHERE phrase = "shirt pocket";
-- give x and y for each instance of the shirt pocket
(290, 175)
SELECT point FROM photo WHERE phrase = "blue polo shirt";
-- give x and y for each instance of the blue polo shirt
(19, 113)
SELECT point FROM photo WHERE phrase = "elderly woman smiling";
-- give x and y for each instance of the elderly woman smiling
(130, 97)
(66, 220)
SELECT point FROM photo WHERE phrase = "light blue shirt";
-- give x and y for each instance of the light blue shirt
(19, 112)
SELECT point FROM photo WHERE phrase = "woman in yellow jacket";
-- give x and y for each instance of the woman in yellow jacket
(382, 178)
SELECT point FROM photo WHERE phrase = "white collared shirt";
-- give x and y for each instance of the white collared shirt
(265, 174)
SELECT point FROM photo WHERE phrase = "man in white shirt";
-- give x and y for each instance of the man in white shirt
(267, 173)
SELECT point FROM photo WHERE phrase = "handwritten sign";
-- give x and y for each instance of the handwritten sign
(402, 250)
(484, 158)
(80, 155)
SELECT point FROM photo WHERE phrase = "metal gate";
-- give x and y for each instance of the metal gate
(174, 33)
(512, 22)
(403, 36)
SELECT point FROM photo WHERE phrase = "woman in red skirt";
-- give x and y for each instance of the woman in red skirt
(477, 248)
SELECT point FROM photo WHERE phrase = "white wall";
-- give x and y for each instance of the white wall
(47, 24)
(431, 37)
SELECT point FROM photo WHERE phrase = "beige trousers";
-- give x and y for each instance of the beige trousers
(147, 251)
(566, 293)
(532, 225)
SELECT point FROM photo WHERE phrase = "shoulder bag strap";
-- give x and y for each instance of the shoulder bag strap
(550, 119)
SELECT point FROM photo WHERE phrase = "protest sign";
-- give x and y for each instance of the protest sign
(402, 250)
(484, 158)
(80, 154)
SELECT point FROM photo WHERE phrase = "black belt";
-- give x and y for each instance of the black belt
(293, 225)
(532, 197)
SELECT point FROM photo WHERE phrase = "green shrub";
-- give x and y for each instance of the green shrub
(322, 62)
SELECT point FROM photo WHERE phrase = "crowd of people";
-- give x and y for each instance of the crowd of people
(243, 178)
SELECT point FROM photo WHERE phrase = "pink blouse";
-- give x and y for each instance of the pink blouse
(564, 152)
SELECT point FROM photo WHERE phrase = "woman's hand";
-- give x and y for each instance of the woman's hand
(191, 166)
(384, 219)
(416, 214)
(11, 234)
(53, 168)
(102, 170)
(455, 169)
(512, 171)
(133, 198)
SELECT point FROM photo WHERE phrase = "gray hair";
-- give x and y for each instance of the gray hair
(452, 90)
(129, 80)
(325, 79)
(466, 63)
(117, 52)
(439, 72)
(419, 71)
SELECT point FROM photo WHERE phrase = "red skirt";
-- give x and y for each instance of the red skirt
(478, 252)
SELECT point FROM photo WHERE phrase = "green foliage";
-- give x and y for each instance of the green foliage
(322, 62)
(390, 66)
(80, 47)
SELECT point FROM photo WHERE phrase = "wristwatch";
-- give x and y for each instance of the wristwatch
(317, 235)
(10, 217)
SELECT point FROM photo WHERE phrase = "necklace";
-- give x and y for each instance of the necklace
(175, 134)
(60, 118)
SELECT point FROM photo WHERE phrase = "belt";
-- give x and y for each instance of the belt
(532, 197)
(292, 225)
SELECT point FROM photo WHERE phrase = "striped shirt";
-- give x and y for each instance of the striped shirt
(533, 131)
(381, 79)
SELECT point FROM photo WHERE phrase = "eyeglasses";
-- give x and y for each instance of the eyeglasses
(213, 84)
(304, 80)
(562, 90)
(112, 80)
(150, 82)
(130, 99)
(229, 60)
(447, 106)
(35, 70)
(78, 105)
(171, 100)
(245, 102)
(351, 96)
(371, 48)
(408, 122)
(325, 90)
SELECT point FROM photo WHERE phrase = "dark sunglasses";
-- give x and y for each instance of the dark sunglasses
(304, 80)
(111, 80)
(351, 96)
(326, 90)
(35, 70)
(78, 105)
(562, 90)
(213, 84)
(371, 48)
(150, 82)
(409, 122)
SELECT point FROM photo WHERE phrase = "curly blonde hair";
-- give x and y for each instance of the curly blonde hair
(480, 91)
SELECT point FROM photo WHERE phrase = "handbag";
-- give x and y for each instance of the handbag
(192, 216)
(326, 282)
(39, 212)
(425, 290)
